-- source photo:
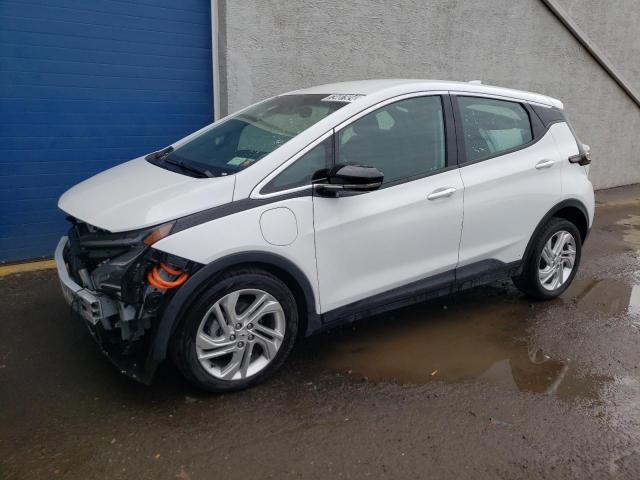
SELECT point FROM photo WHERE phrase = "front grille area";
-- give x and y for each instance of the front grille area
(117, 301)
(87, 228)
(99, 260)
(111, 268)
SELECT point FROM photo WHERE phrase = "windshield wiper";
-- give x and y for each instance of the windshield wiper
(190, 168)
(160, 153)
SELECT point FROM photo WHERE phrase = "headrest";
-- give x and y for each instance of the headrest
(366, 124)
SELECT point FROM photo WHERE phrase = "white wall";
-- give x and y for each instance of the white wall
(274, 46)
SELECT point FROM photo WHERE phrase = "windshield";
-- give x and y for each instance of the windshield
(245, 138)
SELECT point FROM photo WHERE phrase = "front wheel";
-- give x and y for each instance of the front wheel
(553, 261)
(238, 332)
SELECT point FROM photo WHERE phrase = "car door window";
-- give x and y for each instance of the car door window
(300, 172)
(492, 127)
(404, 139)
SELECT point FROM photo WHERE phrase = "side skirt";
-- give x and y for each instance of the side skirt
(440, 285)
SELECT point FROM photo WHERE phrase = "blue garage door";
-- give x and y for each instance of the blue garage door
(85, 85)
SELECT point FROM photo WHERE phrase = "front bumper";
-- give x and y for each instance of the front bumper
(94, 307)
(97, 310)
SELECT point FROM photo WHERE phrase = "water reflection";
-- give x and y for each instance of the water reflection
(631, 233)
(482, 335)
(634, 301)
(605, 296)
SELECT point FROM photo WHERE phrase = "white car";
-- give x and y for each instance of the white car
(318, 207)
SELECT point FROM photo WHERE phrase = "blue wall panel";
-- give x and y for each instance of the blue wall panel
(85, 86)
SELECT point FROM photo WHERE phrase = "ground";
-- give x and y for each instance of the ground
(485, 384)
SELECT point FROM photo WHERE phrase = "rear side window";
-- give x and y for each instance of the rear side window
(491, 127)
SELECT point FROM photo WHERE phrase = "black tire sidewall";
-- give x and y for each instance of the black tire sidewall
(532, 278)
(184, 351)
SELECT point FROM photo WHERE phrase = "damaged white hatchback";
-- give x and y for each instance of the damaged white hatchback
(318, 207)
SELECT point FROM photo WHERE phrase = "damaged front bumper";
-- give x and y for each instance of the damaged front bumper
(91, 306)
(99, 312)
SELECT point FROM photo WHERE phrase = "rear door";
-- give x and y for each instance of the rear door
(510, 168)
(409, 229)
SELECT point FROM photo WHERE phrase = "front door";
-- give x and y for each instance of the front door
(410, 228)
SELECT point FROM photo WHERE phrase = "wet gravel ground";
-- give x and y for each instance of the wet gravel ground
(485, 384)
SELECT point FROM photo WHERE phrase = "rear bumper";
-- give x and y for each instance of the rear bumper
(96, 310)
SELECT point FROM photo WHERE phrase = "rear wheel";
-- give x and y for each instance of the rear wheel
(553, 261)
(238, 332)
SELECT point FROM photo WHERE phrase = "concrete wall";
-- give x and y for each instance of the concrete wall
(273, 46)
(615, 28)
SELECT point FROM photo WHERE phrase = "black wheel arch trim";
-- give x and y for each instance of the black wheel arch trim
(571, 202)
(177, 304)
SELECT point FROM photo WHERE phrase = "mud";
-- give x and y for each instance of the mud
(482, 385)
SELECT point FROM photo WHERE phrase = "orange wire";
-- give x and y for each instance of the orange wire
(168, 283)
(154, 278)
(170, 270)
(153, 282)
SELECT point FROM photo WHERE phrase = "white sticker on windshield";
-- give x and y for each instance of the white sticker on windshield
(237, 161)
(342, 97)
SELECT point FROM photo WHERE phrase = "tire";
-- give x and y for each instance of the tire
(202, 345)
(536, 269)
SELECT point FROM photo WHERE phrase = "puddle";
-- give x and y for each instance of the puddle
(479, 335)
(631, 233)
(634, 301)
(606, 296)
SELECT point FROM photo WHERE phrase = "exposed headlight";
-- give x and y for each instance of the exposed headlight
(159, 233)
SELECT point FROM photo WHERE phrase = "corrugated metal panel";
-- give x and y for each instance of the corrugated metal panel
(85, 86)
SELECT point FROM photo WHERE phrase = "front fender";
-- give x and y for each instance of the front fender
(197, 282)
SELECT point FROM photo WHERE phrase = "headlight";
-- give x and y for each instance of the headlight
(159, 233)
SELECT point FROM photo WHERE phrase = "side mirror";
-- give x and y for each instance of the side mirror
(349, 178)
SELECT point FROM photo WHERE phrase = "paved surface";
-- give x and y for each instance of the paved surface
(481, 385)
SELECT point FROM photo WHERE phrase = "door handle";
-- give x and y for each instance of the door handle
(544, 164)
(441, 193)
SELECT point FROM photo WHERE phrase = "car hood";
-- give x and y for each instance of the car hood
(137, 194)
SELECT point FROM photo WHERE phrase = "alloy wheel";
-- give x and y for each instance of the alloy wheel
(240, 334)
(557, 260)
